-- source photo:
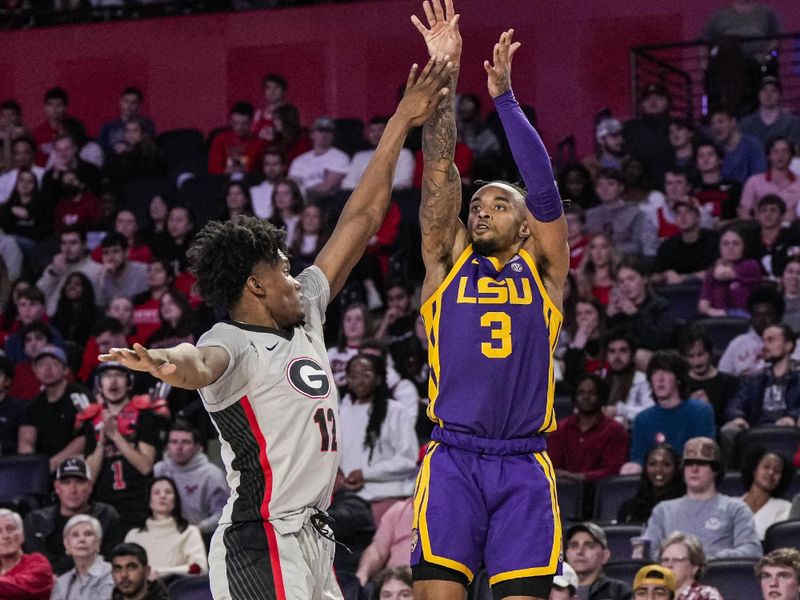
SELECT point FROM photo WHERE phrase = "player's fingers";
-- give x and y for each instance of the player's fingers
(454, 22)
(496, 54)
(412, 75)
(440, 73)
(438, 11)
(429, 14)
(167, 369)
(449, 10)
(423, 77)
(488, 67)
(514, 47)
(418, 24)
(142, 353)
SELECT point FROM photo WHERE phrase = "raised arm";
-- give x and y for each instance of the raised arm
(367, 207)
(443, 236)
(547, 222)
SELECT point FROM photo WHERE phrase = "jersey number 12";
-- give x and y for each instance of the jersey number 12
(328, 439)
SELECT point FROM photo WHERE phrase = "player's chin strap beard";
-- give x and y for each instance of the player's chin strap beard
(323, 523)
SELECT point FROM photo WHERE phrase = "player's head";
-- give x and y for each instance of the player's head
(497, 218)
(243, 263)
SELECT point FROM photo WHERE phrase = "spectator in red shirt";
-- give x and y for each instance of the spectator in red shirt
(274, 96)
(76, 206)
(160, 278)
(25, 385)
(237, 150)
(588, 446)
(126, 224)
(55, 110)
(22, 576)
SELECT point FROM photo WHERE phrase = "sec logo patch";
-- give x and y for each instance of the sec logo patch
(414, 539)
(308, 377)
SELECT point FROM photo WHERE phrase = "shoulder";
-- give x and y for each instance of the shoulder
(101, 510)
(698, 406)
(38, 561)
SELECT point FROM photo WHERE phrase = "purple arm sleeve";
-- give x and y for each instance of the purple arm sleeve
(543, 199)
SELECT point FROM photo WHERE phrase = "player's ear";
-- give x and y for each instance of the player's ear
(255, 286)
(524, 230)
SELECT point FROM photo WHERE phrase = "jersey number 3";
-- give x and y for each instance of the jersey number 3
(328, 439)
(499, 323)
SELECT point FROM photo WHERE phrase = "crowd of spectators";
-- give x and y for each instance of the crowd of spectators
(679, 339)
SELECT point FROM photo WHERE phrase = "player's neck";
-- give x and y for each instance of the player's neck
(254, 316)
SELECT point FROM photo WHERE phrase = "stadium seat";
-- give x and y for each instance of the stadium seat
(619, 540)
(570, 499)
(350, 586)
(722, 330)
(782, 535)
(24, 476)
(682, 299)
(195, 587)
(180, 144)
(623, 570)
(563, 407)
(348, 135)
(479, 589)
(731, 484)
(205, 195)
(611, 493)
(734, 578)
(782, 440)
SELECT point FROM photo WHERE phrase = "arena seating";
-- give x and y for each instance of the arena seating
(24, 481)
(782, 535)
(195, 587)
(734, 579)
(610, 495)
(619, 540)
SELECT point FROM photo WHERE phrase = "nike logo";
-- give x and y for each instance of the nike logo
(271, 348)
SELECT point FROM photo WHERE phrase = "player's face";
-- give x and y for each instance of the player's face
(585, 554)
(82, 541)
(779, 583)
(362, 380)
(73, 492)
(283, 298)
(618, 355)
(114, 385)
(768, 472)
(496, 219)
(181, 447)
(162, 498)
(129, 575)
(660, 468)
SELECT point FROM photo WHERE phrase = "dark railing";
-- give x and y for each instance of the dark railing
(683, 68)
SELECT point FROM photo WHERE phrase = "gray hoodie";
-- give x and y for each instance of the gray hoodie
(202, 487)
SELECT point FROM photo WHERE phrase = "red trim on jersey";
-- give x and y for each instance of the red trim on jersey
(272, 542)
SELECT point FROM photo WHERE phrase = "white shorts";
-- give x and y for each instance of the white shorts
(254, 561)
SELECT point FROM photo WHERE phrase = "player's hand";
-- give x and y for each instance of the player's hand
(441, 36)
(139, 358)
(499, 73)
(424, 92)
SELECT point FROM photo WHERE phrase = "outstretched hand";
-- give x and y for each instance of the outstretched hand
(424, 93)
(441, 36)
(139, 358)
(500, 72)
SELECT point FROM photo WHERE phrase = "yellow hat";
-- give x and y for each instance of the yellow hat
(654, 575)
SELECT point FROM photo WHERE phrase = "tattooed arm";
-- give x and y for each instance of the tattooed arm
(444, 237)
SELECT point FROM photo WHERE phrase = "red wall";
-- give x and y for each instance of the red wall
(346, 60)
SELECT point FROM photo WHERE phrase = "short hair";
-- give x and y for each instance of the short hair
(114, 239)
(681, 122)
(697, 556)
(243, 108)
(77, 229)
(38, 327)
(781, 557)
(12, 105)
(671, 361)
(789, 334)
(78, 519)
(708, 143)
(378, 120)
(772, 200)
(612, 174)
(617, 334)
(692, 335)
(721, 109)
(680, 172)
(577, 210)
(767, 294)
(224, 254)
(185, 427)
(373, 344)
(400, 573)
(108, 324)
(274, 78)
(133, 91)
(600, 386)
(129, 549)
(33, 293)
(56, 93)
(750, 462)
(634, 264)
(406, 286)
(24, 139)
(516, 186)
(14, 516)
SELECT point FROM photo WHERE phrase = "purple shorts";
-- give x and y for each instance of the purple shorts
(487, 502)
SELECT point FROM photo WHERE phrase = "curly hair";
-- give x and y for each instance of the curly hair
(224, 254)
(753, 458)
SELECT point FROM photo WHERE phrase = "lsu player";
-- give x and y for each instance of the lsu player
(492, 294)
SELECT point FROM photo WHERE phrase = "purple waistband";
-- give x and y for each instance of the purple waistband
(482, 445)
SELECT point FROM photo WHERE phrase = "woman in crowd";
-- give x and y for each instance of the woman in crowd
(25, 213)
(176, 322)
(125, 223)
(308, 240)
(9, 321)
(393, 583)
(778, 180)
(766, 476)
(287, 203)
(682, 553)
(598, 272)
(356, 326)
(729, 283)
(378, 445)
(790, 286)
(290, 139)
(91, 575)
(576, 185)
(237, 201)
(173, 546)
(585, 351)
(661, 480)
(160, 279)
(569, 302)
(76, 311)
(158, 210)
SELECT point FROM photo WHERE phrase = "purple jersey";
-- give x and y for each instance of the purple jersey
(492, 331)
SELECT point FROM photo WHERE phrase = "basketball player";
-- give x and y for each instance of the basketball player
(265, 380)
(492, 294)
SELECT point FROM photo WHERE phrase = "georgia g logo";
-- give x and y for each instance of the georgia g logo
(308, 377)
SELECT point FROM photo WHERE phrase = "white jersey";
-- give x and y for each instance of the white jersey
(276, 409)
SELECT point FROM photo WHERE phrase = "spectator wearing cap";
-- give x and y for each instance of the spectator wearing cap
(723, 524)
(321, 170)
(236, 149)
(675, 418)
(682, 138)
(22, 576)
(771, 120)
(779, 574)
(403, 173)
(660, 209)
(586, 552)
(625, 223)
(686, 255)
(647, 136)
(744, 154)
(778, 180)
(121, 277)
(565, 586)
(11, 410)
(654, 582)
(44, 527)
(609, 149)
(48, 426)
(775, 243)
(683, 555)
